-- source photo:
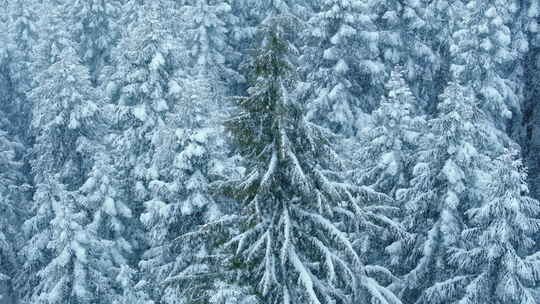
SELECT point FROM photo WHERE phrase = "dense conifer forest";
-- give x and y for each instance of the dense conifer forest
(269, 151)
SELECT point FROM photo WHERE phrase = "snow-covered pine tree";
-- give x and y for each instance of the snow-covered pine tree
(178, 208)
(443, 185)
(59, 252)
(205, 46)
(390, 140)
(252, 13)
(111, 220)
(139, 90)
(415, 34)
(64, 254)
(342, 62)
(497, 263)
(530, 123)
(142, 90)
(10, 214)
(180, 201)
(23, 36)
(294, 243)
(183, 253)
(133, 293)
(13, 188)
(62, 259)
(487, 42)
(94, 29)
(188, 139)
(248, 15)
(22, 28)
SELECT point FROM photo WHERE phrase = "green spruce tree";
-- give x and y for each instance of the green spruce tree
(298, 239)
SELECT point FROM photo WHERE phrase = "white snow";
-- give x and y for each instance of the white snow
(157, 62)
(305, 276)
(110, 207)
(160, 105)
(452, 172)
(139, 112)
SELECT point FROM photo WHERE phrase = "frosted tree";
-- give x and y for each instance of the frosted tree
(205, 76)
(78, 235)
(181, 249)
(290, 247)
(62, 259)
(444, 183)
(132, 292)
(187, 138)
(391, 138)
(166, 110)
(486, 45)
(415, 34)
(59, 253)
(94, 28)
(9, 175)
(250, 14)
(22, 26)
(138, 89)
(23, 35)
(143, 73)
(71, 271)
(13, 187)
(142, 90)
(111, 219)
(180, 199)
(495, 264)
(341, 59)
(528, 131)
(204, 25)
(64, 105)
